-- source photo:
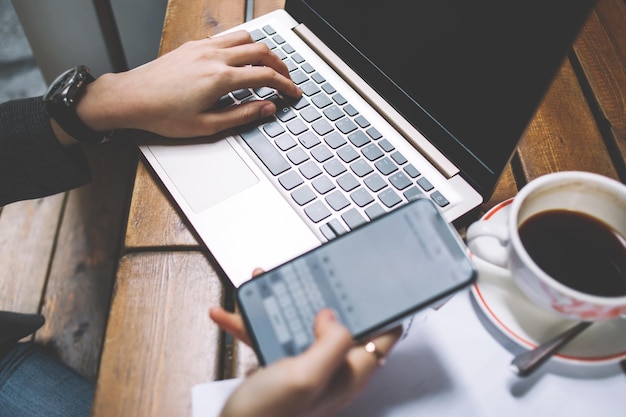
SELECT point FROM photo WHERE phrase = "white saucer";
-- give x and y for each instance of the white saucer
(528, 325)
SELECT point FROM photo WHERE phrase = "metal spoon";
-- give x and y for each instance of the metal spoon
(527, 362)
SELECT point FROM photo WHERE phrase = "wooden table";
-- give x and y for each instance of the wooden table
(159, 341)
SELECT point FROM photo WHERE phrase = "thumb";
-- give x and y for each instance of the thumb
(328, 352)
(240, 115)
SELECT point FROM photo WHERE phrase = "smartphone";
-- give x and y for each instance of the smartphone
(373, 278)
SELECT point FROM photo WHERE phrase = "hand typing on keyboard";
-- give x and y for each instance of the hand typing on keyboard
(179, 94)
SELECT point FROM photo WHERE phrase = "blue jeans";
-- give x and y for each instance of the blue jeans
(33, 383)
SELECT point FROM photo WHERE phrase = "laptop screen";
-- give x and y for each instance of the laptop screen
(468, 75)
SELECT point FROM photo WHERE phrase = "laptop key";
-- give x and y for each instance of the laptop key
(334, 167)
(358, 138)
(269, 30)
(264, 91)
(329, 89)
(361, 197)
(242, 94)
(361, 168)
(399, 158)
(336, 226)
(321, 101)
(425, 184)
(318, 78)
(317, 211)
(411, 171)
(337, 200)
(353, 218)
(374, 211)
(309, 89)
(333, 113)
(273, 129)
(327, 232)
(374, 133)
(309, 140)
(297, 156)
(321, 153)
(347, 182)
(297, 127)
(335, 140)
(265, 151)
(347, 154)
(290, 180)
(389, 198)
(309, 114)
(439, 199)
(412, 193)
(385, 166)
(323, 184)
(362, 121)
(375, 182)
(285, 142)
(257, 35)
(298, 77)
(372, 152)
(303, 195)
(345, 126)
(300, 104)
(310, 170)
(399, 180)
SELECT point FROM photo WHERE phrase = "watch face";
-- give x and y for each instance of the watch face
(58, 86)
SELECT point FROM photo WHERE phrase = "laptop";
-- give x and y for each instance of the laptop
(401, 98)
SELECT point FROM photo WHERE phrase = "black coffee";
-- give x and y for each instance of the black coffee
(578, 250)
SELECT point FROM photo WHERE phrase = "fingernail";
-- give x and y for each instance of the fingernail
(329, 314)
(267, 110)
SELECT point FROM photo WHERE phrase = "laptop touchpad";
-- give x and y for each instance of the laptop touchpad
(204, 173)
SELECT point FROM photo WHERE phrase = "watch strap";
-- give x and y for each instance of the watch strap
(61, 105)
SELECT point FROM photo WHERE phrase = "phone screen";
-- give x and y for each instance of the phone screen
(372, 277)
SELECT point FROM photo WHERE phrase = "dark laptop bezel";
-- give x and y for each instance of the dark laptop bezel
(552, 27)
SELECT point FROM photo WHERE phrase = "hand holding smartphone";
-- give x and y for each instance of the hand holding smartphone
(372, 277)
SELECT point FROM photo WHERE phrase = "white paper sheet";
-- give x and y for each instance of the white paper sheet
(450, 364)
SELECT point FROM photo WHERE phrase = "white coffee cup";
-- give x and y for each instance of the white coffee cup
(498, 246)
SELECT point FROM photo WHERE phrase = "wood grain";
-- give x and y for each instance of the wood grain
(153, 219)
(28, 231)
(263, 7)
(160, 341)
(564, 135)
(77, 294)
(601, 52)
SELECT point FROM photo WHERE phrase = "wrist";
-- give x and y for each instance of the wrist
(100, 107)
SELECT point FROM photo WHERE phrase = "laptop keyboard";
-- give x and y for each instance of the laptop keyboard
(333, 164)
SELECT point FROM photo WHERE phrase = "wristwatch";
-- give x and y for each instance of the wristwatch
(60, 103)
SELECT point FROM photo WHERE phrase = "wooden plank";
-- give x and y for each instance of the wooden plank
(601, 52)
(197, 19)
(27, 238)
(262, 7)
(76, 302)
(564, 135)
(153, 219)
(160, 341)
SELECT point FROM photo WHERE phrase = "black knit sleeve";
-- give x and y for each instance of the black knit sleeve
(33, 163)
